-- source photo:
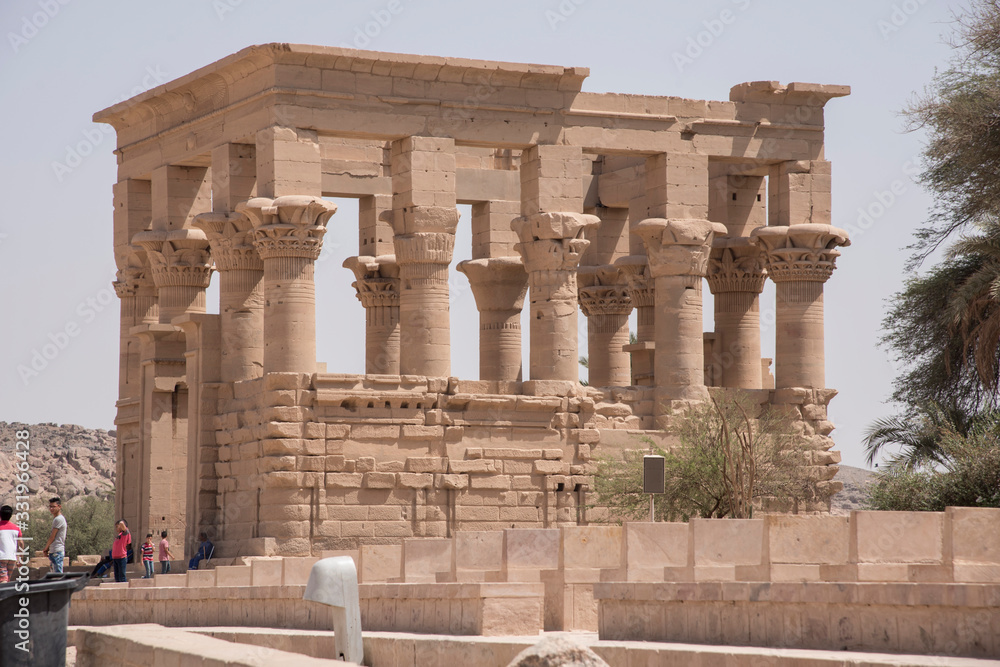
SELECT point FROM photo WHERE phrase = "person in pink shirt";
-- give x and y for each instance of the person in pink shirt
(9, 536)
(119, 550)
(165, 555)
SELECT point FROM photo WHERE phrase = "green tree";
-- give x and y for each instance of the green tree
(967, 475)
(731, 456)
(90, 526)
(944, 326)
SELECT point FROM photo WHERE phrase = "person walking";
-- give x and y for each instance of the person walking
(120, 549)
(55, 548)
(165, 555)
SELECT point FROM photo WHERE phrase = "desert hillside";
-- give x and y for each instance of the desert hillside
(64, 460)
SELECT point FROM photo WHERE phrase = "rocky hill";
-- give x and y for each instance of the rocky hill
(853, 496)
(64, 460)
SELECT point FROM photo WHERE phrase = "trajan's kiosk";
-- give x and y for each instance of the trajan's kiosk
(581, 202)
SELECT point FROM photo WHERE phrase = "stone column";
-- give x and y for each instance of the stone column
(377, 285)
(678, 257)
(639, 287)
(499, 285)
(606, 304)
(736, 278)
(551, 246)
(241, 294)
(288, 234)
(182, 269)
(424, 219)
(551, 231)
(799, 259)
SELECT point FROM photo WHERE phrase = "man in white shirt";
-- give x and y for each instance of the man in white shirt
(55, 548)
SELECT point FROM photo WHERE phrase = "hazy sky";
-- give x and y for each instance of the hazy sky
(62, 60)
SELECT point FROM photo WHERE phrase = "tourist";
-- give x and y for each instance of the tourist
(9, 535)
(55, 548)
(119, 550)
(147, 556)
(165, 555)
(205, 551)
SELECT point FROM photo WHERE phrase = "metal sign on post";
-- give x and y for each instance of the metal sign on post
(653, 478)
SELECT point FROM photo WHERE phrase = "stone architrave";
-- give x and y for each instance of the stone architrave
(241, 294)
(736, 278)
(181, 266)
(377, 285)
(606, 303)
(634, 270)
(799, 259)
(678, 253)
(551, 245)
(288, 234)
(499, 285)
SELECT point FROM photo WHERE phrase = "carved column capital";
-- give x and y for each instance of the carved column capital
(678, 247)
(634, 270)
(178, 258)
(552, 241)
(806, 253)
(231, 236)
(289, 226)
(735, 265)
(498, 283)
(377, 280)
(603, 290)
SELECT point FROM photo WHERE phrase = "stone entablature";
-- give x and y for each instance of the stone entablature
(227, 168)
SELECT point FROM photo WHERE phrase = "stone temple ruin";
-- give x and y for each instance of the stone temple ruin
(598, 203)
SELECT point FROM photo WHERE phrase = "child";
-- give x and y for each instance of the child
(147, 556)
(119, 550)
(165, 555)
(9, 535)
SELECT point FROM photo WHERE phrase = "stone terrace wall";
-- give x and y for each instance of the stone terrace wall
(320, 462)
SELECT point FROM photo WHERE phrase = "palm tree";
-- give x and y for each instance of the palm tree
(918, 435)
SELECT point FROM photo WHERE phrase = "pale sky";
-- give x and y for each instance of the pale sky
(62, 60)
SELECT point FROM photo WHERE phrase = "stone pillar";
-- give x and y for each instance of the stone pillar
(799, 259)
(424, 219)
(182, 268)
(499, 285)
(639, 286)
(799, 192)
(551, 231)
(491, 232)
(551, 246)
(736, 278)
(241, 294)
(288, 234)
(377, 285)
(606, 303)
(374, 228)
(678, 257)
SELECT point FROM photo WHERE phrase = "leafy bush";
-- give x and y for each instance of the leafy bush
(731, 456)
(90, 526)
(969, 475)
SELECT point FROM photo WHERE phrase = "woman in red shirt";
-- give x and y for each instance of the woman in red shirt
(119, 550)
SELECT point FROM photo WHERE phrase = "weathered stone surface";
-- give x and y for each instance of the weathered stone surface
(557, 652)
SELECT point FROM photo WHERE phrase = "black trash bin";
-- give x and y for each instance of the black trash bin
(40, 625)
